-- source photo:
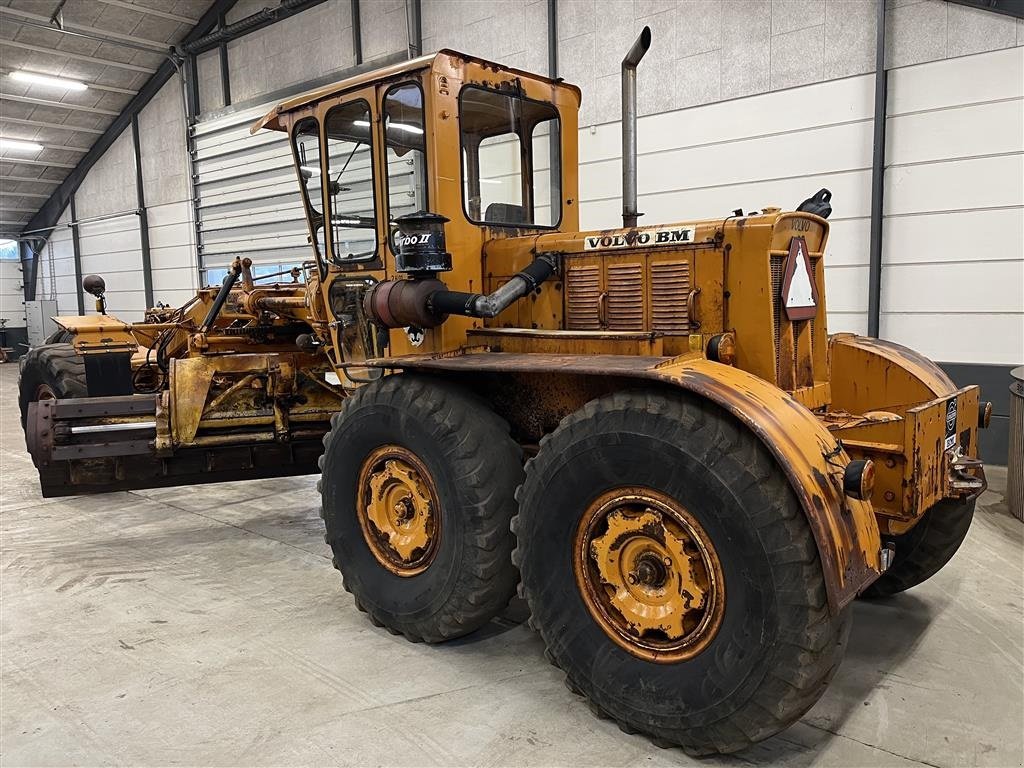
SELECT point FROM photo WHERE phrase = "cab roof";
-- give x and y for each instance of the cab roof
(272, 119)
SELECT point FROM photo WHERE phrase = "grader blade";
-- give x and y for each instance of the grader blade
(99, 444)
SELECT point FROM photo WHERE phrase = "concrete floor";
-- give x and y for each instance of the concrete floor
(205, 626)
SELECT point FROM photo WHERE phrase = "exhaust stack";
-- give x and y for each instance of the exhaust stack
(629, 64)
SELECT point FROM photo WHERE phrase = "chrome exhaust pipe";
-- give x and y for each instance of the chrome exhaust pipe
(629, 65)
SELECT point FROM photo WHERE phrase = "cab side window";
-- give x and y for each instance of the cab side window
(349, 184)
(406, 150)
(511, 163)
(306, 145)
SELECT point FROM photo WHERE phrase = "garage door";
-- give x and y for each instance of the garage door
(247, 199)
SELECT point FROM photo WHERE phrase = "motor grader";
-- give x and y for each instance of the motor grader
(647, 428)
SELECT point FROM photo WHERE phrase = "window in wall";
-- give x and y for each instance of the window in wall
(511, 161)
(351, 203)
(406, 151)
(307, 157)
(9, 250)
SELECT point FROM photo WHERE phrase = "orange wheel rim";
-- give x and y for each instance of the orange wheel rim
(649, 574)
(398, 510)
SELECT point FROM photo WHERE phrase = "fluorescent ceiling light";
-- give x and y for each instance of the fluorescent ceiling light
(406, 127)
(20, 146)
(397, 126)
(490, 181)
(55, 82)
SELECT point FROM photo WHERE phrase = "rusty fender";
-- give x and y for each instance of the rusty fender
(869, 374)
(845, 530)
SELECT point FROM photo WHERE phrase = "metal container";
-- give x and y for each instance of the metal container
(1015, 462)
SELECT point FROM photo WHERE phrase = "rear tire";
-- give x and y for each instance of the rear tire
(925, 549)
(50, 371)
(776, 645)
(444, 462)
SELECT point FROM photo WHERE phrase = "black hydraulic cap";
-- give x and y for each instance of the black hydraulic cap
(419, 244)
(818, 204)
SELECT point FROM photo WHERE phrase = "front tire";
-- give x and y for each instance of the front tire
(418, 486)
(731, 639)
(925, 549)
(50, 371)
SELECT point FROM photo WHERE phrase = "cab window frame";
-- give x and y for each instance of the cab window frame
(372, 260)
(526, 149)
(384, 154)
(312, 214)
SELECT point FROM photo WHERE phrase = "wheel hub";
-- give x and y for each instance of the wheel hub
(398, 510)
(649, 575)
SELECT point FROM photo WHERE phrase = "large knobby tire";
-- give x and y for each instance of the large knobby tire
(776, 645)
(50, 371)
(925, 549)
(448, 458)
(60, 336)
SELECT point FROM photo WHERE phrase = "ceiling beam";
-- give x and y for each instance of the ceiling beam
(77, 56)
(5, 193)
(29, 179)
(152, 12)
(61, 104)
(1013, 8)
(21, 161)
(158, 46)
(44, 124)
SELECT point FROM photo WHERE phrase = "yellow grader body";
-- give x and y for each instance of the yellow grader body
(486, 307)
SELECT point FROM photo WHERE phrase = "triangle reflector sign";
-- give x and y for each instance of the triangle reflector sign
(799, 291)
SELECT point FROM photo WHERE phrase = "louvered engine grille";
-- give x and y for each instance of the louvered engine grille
(625, 297)
(615, 297)
(670, 293)
(583, 292)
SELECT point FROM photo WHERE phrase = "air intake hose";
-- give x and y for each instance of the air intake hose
(426, 303)
(493, 304)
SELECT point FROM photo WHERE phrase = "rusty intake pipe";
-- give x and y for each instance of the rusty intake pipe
(629, 65)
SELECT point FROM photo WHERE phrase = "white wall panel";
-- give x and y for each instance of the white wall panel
(12, 308)
(172, 252)
(967, 131)
(113, 249)
(994, 339)
(953, 237)
(954, 185)
(970, 235)
(954, 82)
(59, 282)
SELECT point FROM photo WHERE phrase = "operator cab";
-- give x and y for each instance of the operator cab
(482, 145)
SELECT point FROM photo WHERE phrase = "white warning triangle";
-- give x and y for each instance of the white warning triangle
(800, 295)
